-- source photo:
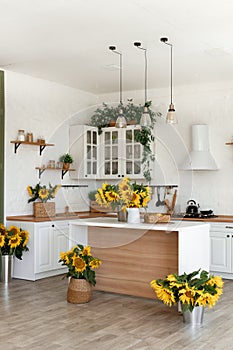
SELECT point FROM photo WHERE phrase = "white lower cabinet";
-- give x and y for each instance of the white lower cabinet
(46, 241)
(221, 249)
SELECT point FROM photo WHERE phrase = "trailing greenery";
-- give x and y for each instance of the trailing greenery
(102, 117)
(146, 138)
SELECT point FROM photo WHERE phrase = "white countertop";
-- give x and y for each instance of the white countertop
(113, 222)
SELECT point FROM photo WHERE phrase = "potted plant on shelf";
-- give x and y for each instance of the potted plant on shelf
(128, 196)
(81, 265)
(66, 159)
(194, 291)
(43, 194)
(13, 241)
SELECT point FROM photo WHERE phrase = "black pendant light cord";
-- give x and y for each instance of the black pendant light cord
(113, 49)
(138, 45)
(165, 41)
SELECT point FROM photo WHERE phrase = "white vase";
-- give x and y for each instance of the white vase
(133, 215)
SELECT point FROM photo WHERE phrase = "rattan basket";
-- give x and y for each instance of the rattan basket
(44, 210)
(79, 291)
(152, 218)
(96, 208)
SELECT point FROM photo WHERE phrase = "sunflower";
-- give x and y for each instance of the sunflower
(86, 251)
(43, 193)
(13, 231)
(164, 294)
(3, 230)
(95, 263)
(24, 235)
(56, 188)
(216, 280)
(2, 241)
(30, 191)
(187, 295)
(64, 257)
(135, 200)
(111, 196)
(79, 264)
(14, 241)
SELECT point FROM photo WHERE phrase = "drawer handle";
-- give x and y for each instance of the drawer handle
(229, 227)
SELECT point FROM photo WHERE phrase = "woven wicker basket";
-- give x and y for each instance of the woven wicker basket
(79, 291)
(96, 208)
(152, 218)
(44, 210)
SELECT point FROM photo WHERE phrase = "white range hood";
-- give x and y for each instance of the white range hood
(200, 157)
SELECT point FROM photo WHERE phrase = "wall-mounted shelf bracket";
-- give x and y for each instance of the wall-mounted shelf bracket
(41, 145)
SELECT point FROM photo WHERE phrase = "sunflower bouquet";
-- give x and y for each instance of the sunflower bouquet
(80, 263)
(189, 290)
(13, 241)
(126, 194)
(42, 192)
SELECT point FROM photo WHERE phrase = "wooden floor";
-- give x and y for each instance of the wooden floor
(36, 316)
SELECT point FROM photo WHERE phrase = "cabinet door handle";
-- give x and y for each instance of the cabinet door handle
(119, 175)
(229, 227)
(228, 236)
(122, 175)
(53, 225)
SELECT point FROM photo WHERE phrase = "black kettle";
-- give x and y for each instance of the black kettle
(192, 207)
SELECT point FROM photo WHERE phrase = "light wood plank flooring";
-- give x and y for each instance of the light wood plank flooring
(36, 316)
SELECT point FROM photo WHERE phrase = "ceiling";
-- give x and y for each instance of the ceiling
(66, 41)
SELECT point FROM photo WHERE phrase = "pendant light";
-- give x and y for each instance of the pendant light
(145, 118)
(171, 115)
(121, 121)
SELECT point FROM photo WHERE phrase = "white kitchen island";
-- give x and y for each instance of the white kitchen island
(134, 254)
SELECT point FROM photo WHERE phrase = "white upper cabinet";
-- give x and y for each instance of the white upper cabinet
(84, 148)
(120, 153)
(112, 155)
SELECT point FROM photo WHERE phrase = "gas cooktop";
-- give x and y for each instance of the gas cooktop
(200, 216)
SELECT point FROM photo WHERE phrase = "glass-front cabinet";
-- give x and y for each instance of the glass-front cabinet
(84, 150)
(120, 153)
(112, 155)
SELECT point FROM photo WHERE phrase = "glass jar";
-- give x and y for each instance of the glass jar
(21, 135)
(29, 137)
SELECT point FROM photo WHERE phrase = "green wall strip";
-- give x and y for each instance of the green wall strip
(2, 133)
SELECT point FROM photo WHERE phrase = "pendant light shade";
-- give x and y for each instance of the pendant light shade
(121, 121)
(145, 118)
(171, 115)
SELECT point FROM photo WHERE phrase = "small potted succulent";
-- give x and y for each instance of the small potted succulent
(66, 159)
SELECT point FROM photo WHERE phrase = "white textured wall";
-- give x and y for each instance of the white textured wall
(47, 109)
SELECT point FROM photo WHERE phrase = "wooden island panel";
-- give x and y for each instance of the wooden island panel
(132, 258)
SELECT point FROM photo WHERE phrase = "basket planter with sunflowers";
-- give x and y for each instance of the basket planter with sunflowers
(43, 208)
(13, 241)
(193, 291)
(124, 195)
(81, 265)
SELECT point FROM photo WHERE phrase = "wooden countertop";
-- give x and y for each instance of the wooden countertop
(88, 214)
(59, 217)
(219, 218)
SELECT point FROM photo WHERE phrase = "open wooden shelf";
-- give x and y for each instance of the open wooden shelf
(63, 171)
(42, 146)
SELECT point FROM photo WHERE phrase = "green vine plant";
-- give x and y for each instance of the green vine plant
(102, 117)
(146, 138)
